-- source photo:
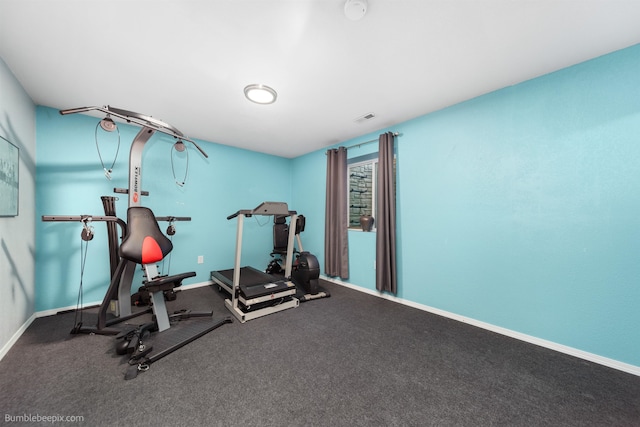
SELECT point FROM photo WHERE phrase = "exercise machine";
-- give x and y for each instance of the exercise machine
(142, 241)
(305, 270)
(254, 293)
(117, 299)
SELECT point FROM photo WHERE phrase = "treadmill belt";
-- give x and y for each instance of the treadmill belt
(249, 276)
(255, 283)
(256, 291)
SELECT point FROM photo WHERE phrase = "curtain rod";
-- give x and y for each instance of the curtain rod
(368, 142)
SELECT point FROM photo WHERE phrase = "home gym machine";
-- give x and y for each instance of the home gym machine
(255, 293)
(118, 296)
(143, 243)
(305, 269)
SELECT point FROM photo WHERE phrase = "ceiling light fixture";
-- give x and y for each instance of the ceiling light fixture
(260, 94)
(355, 9)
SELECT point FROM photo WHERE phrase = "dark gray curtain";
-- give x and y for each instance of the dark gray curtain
(336, 246)
(386, 274)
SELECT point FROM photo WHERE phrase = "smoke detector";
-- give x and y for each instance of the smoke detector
(355, 9)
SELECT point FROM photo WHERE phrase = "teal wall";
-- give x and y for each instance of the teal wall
(519, 208)
(70, 181)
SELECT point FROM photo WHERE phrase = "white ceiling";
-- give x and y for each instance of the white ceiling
(186, 62)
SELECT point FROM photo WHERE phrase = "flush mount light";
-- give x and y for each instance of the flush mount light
(260, 94)
(355, 9)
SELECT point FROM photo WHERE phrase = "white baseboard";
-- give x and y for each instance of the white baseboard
(611, 363)
(54, 311)
(605, 361)
(44, 313)
(5, 349)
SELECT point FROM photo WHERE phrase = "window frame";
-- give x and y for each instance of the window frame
(366, 159)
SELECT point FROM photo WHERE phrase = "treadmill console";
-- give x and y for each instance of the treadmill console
(265, 208)
(271, 208)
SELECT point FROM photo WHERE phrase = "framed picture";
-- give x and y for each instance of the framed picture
(9, 162)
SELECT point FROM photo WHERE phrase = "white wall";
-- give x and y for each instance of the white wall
(17, 234)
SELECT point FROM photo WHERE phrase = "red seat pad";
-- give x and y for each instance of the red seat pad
(151, 251)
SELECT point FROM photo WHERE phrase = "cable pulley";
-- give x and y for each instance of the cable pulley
(179, 147)
(87, 230)
(108, 125)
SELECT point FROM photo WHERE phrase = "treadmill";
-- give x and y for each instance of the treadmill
(255, 293)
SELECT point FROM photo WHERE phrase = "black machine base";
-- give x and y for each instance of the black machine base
(139, 343)
(305, 274)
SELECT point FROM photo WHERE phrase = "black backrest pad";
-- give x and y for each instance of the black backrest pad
(280, 237)
(300, 224)
(144, 242)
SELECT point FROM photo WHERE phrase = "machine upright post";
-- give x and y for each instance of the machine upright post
(290, 243)
(237, 261)
(135, 165)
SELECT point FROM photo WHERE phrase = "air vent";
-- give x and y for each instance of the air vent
(365, 117)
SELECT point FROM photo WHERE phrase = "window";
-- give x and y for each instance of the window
(361, 191)
(363, 178)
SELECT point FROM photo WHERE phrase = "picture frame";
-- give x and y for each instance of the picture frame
(9, 178)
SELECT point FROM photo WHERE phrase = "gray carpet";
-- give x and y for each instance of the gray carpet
(349, 360)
